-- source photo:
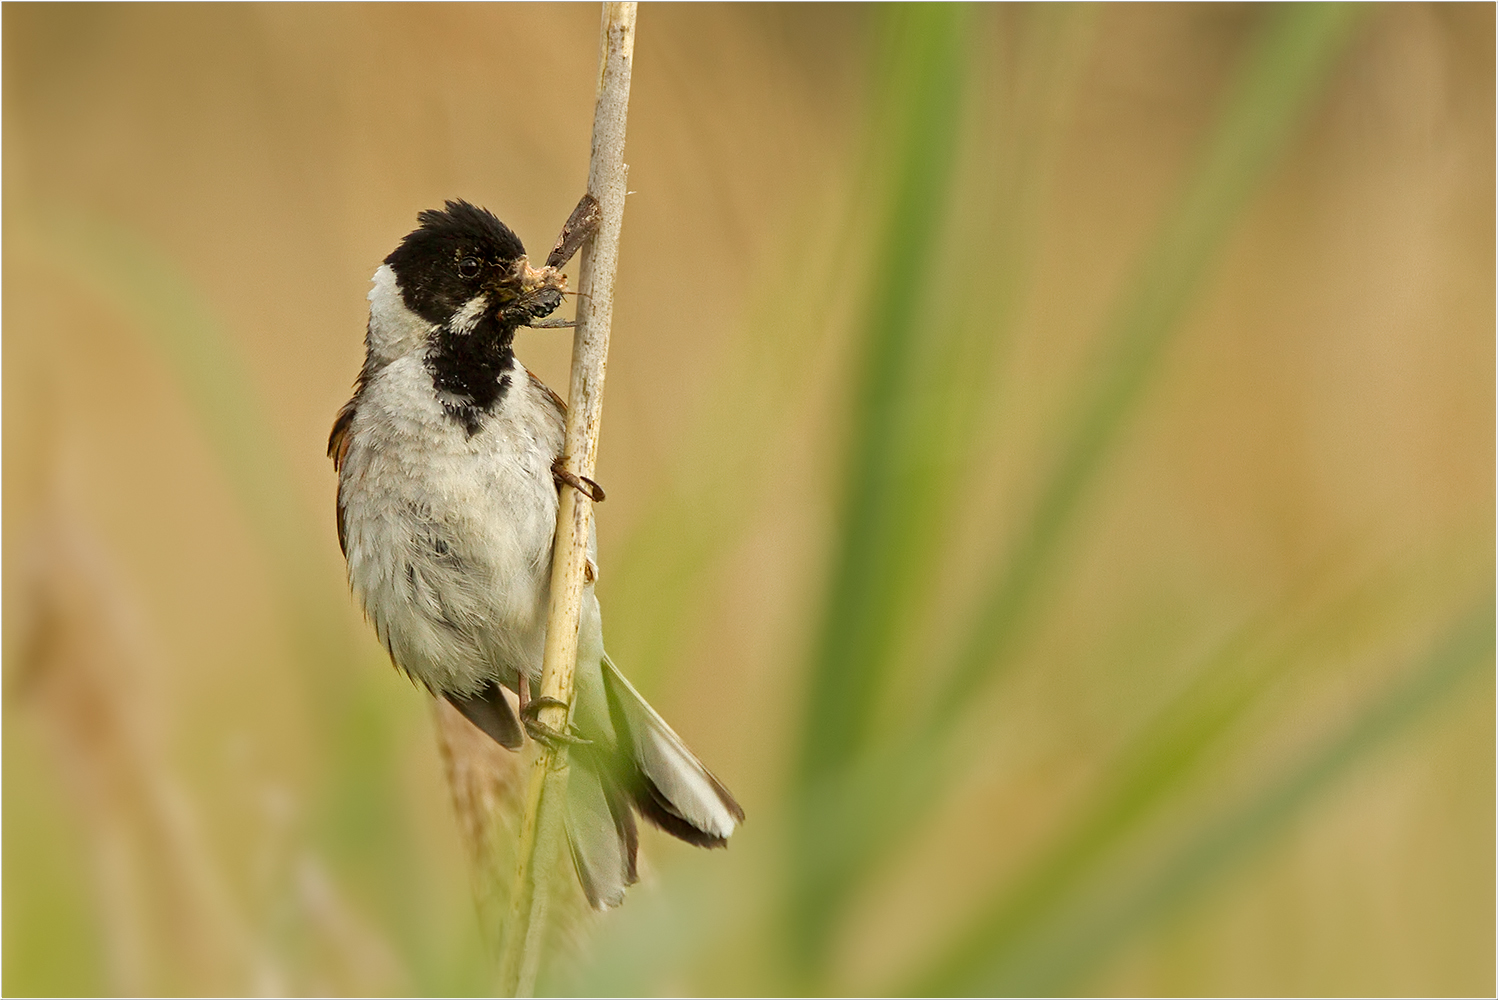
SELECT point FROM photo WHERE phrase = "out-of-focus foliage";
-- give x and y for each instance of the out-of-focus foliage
(1050, 459)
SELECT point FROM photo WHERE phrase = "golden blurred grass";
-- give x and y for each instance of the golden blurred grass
(1235, 744)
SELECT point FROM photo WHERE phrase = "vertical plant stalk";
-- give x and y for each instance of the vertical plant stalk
(1275, 88)
(916, 148)
(541, 823)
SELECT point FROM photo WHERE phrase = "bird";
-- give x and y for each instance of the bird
(448, 465)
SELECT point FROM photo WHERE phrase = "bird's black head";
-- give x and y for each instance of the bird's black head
(466, 273)
(463, 266)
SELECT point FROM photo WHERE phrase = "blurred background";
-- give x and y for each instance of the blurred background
(1050, 461)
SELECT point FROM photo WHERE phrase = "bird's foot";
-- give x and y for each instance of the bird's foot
(541, 732)
(582, 484)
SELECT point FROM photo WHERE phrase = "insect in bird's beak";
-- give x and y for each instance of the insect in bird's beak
(541, 289)
(527, 294)
(577, 230)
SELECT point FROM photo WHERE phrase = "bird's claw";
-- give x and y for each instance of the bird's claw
(582, 484)
(541, 732)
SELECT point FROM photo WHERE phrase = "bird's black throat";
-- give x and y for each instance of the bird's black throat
(471, 371)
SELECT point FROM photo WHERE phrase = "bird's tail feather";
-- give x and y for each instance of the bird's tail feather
(669, 785)
(647, 764)
(601, 830)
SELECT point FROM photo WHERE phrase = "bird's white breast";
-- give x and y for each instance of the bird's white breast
(449, 534)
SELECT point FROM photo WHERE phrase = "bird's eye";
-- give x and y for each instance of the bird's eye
(469, 267)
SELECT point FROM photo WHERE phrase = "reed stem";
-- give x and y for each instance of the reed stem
(541, 825)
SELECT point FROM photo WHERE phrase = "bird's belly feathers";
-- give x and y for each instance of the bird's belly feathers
(449, 535)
